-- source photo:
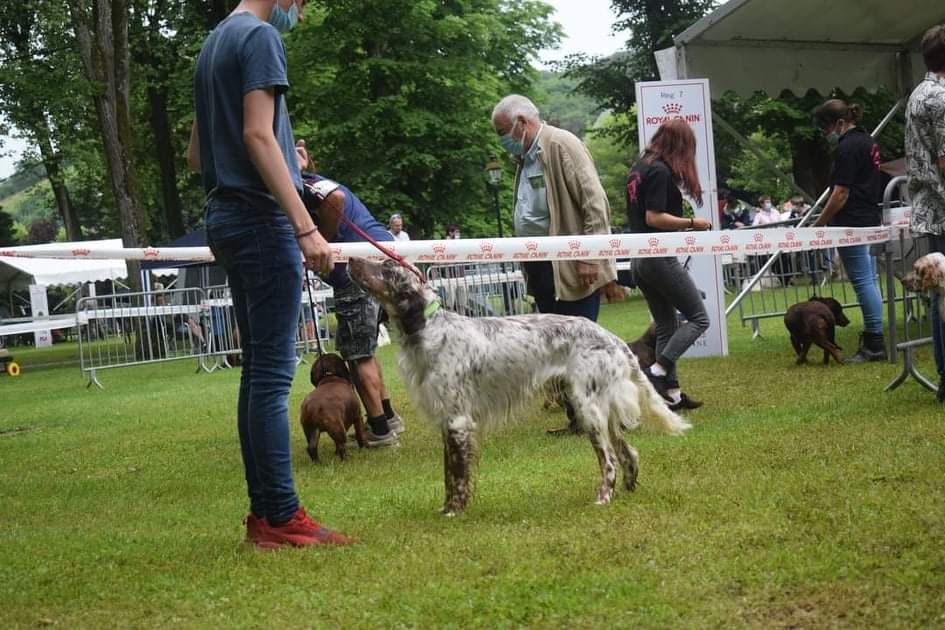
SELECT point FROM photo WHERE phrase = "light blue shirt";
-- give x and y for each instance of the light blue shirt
(532, 217)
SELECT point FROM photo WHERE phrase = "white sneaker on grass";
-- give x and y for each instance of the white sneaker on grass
(387, 440)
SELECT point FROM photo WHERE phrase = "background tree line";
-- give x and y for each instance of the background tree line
(392, 96)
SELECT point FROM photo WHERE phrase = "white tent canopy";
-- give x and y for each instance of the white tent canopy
(19, 273)
(773, 45)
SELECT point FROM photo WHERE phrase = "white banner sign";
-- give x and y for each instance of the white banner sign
(690, 100)
(590, 247)
(39, 305)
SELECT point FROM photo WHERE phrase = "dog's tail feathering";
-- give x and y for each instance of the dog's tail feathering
(655, 415)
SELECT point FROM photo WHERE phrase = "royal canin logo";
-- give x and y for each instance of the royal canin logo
(614, 242)
(81, 252)
(672, 108)
(486, 247)
(439, 249)
(726, 239)
(531, 246)
(151, 252)
(690, 247)
(7, 252)
(819, 233)
(654, 242)
(789, 236)
(574, 244)
(759, 237)
(848, 233)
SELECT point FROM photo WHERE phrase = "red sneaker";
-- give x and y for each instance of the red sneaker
(299, 531)
(254, 529)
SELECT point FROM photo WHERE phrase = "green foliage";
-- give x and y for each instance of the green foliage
(613, 158)
(753, 175)
(26, 176)
(7, 236)
(650, 26)
(562, 105)
(394, 98)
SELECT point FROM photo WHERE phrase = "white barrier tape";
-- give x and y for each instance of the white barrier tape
(585, 247)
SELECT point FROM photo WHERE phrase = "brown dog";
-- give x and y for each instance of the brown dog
(333, 407)
(813, 322)
(645, 347)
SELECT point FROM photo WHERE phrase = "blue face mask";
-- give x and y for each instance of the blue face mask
(283, 20)
(510, 144)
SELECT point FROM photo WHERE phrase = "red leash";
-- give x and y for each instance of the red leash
(389, 253)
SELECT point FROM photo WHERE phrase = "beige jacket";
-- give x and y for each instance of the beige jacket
(576, 202)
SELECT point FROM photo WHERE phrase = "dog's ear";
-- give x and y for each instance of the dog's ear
(316, 373)
(410, 312)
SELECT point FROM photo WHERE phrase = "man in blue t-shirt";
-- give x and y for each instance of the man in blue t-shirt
(358, 314)
(259, 232)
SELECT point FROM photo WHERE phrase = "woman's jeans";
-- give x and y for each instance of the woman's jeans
(668, 288)
(861, 269)
(263, 264)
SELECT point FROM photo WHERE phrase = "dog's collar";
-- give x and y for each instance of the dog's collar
(432, 308)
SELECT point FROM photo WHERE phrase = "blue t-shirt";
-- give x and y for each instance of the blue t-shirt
(357, 213)
(242, 54)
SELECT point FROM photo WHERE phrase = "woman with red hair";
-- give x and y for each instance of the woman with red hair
(655, 204)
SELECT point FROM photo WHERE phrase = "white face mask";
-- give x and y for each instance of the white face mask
(767, 205)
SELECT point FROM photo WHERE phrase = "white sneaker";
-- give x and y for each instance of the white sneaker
(389, 439)
(396, 424)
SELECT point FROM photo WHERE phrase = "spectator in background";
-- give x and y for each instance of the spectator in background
(925, 163)
(396, 226)
(557, 193)
(766, 213)
(857, 190)
(732, 214)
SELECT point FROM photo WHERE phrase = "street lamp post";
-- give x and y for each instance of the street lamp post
(494, 172)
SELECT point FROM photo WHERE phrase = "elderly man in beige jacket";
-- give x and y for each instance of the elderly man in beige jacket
(557, 193)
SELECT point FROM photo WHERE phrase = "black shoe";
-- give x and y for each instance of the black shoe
(660, 384)
(685, 402)
(872, 348)
(940, 395)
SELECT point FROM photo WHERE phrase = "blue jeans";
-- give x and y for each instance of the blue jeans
(938, 333)
(540, 282)
(263, 264)
(861, 269)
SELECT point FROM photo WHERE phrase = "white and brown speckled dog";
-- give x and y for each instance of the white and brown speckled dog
(465, 373)
(928, 274)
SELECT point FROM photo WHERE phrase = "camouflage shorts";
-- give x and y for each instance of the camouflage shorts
(357, 314)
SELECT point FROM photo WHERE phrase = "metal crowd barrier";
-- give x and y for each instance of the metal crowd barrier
(128, 329)
(915, 329)
(487, 290)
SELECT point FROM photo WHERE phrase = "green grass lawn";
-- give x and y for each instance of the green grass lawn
(803, 497)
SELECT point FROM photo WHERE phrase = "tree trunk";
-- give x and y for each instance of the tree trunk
(52, 163)
(167, 159)
(106, 63)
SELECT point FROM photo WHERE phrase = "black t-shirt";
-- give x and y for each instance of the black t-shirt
(651, 187)
(856, 167)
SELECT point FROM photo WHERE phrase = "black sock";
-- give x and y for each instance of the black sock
(388, 410)
(379, 425)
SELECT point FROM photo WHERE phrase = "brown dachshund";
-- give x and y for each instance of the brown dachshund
(645, 347)
(813, 322)
(332, 407)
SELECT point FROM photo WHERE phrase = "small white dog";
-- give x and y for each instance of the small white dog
(465, 372)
